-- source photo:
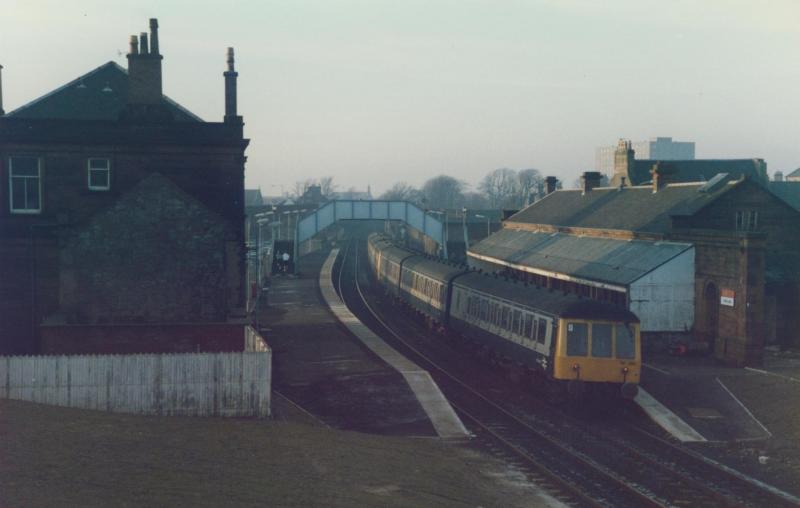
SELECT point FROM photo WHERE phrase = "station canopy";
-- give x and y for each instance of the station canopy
(606, 260)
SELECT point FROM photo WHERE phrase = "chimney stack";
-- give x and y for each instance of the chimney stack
(1, 92)
(144, 72)
(662, 174)
(230, 90)
(590, 180)
(623, 159)
(550, 184)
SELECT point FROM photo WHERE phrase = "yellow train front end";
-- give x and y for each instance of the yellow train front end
(598, 354)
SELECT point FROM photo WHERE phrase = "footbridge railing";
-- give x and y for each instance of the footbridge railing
(333, 211)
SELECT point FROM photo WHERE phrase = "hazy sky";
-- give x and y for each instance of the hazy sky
(378, 91)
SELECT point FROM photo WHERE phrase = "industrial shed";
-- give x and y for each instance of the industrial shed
(653, 279)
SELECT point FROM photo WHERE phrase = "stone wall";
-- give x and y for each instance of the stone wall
(63, 339)
(157, 255)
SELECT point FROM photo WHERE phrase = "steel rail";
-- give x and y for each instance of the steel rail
(730, 494)
(643, 498)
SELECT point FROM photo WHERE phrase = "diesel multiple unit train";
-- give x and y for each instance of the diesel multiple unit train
(577, 344)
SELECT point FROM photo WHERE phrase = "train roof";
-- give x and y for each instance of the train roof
(388, 249)
(552, 302)
(432, 268)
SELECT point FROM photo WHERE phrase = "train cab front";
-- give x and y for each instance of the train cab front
(593, 355)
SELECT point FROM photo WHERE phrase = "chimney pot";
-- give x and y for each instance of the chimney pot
(134, 45)
(143, 47)
(230, 60)
(1, 92)
(230, 75)
(154, 36)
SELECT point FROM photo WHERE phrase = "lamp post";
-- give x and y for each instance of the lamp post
(444, 230)
(464, 227)
(488, 226)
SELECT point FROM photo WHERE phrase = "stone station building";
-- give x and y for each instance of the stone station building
(714, 263)
(122, 222)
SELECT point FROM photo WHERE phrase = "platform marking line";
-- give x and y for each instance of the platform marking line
(768, 373)
(666, 419)
(656, 369)
(441, 414)
(734, 397)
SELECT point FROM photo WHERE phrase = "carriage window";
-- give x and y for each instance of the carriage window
(528, 325)
(601, 340)
(516, 321)
(542, 331)
(577, 339)
(626, 345)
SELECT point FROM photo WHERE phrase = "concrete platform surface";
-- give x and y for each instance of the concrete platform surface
(438, 409)
(321, 367)
(694, 391)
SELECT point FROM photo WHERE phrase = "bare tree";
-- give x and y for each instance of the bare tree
(529, 181)
(300, 187)
(475, 201)
(500, 187)
(327, 187)
(402, 191)
(443, 192)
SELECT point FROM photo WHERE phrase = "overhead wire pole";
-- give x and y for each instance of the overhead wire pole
(296, 239)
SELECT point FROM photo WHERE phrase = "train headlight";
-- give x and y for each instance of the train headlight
(575, 366)
(624, 370)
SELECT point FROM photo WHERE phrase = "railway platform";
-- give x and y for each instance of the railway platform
(695, 402)
(321, 367)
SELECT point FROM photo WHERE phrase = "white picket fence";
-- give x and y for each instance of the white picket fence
(191, 384)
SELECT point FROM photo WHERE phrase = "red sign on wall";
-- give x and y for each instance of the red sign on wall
(727, 297)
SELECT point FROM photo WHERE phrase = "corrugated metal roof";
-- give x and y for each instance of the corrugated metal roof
(617, 262)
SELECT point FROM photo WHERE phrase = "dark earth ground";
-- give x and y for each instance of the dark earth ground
(52, 456)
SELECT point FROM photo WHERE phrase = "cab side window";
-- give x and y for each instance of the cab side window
(626, 343)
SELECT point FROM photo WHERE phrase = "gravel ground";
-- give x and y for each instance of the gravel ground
(51, 456)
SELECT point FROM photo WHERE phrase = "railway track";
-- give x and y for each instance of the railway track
(577, 463)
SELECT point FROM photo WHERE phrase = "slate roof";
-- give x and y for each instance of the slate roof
(100, 94)
(252, 197)
(618, 262)
(789, 192)
(794, 174)
(636, 209)
(696, 170)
